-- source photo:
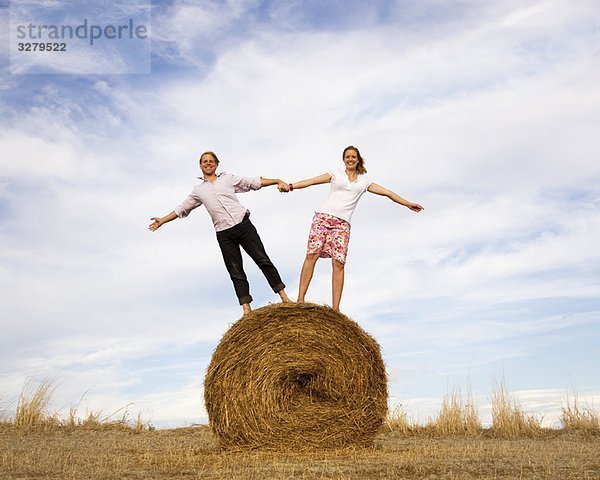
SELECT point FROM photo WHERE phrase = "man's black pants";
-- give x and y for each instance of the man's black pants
(244, 235)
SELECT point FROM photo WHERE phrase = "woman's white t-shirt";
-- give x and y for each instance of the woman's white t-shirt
(344, 194)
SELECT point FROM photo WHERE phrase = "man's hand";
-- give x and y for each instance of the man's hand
(155, 224)
(282, 186)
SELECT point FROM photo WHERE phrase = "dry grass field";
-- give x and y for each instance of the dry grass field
(38, 445)
(111, 453)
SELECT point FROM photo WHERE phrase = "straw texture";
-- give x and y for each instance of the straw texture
(296, 376)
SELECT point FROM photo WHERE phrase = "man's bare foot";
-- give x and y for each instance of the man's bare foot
(247, 308)
(284, 297)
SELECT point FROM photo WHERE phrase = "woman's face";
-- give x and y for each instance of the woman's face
(351, 159)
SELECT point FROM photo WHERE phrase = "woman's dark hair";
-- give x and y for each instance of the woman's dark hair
(360, 167)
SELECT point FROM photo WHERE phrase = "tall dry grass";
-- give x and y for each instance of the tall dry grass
(457, 416)
(32, 413)
(96, 420)
(32, 406)
(399, 421)
(577, 417)
(509, 419)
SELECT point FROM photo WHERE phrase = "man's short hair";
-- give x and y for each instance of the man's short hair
(212, 154)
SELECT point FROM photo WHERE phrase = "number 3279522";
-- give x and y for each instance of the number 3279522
(42, 47)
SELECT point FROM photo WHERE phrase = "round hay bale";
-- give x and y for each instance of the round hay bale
(296, 376)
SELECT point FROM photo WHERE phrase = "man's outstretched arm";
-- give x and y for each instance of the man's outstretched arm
(157, 222)
(281, 185)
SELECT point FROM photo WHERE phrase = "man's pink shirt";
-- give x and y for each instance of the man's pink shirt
(219, 199)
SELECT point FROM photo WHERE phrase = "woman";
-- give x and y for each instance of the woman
(330, 229)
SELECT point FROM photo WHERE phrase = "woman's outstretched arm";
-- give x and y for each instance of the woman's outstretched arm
(379, 190)
(325, 178)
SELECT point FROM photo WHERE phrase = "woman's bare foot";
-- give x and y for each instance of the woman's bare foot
(247, 308)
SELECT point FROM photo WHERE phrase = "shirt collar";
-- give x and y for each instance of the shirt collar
(218, 175)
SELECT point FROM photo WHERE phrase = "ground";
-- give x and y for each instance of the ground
(125, 453)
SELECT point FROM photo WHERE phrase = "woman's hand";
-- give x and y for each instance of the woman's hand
(282, 186)
(415, 207)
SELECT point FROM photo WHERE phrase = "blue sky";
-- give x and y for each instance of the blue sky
(486, 113)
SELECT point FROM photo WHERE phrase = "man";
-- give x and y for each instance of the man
(232, 224)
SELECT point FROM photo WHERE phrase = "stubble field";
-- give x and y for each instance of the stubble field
(129, 453)
(37, 444)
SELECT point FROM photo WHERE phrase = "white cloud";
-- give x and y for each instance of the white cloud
(490, 125)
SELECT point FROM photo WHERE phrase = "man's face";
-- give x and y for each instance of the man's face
(208, 165)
